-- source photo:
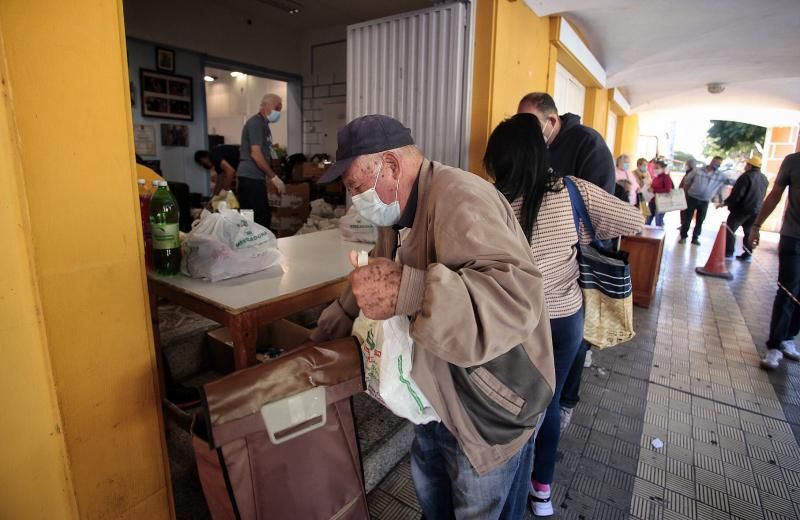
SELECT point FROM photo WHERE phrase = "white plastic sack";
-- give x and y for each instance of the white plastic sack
(320, 208)
(225, 245)
(386, 348)
(355, 228)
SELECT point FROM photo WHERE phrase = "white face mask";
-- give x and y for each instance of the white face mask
(370, 206)
(274, 116)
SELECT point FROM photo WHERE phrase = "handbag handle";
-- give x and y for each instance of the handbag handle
(579, 212)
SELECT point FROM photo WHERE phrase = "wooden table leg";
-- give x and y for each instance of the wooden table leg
(244, 333)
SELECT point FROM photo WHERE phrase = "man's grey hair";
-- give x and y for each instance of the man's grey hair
(691, 163)
(271, 99)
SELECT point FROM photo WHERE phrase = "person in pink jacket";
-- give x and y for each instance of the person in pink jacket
(662, 183)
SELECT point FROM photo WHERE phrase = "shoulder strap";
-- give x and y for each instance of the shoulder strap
(579, 212)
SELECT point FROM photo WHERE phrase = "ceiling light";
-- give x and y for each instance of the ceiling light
(715, 88)
(237, 74)
(287, 6)
(209, 78)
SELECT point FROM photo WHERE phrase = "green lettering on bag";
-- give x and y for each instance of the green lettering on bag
(408, 384)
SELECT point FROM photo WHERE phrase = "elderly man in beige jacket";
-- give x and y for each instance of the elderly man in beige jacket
(452, 257)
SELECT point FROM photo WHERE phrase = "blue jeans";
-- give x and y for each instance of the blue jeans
(449, 488)
(785, 322)
(570, 394)
(658, 216)
(567, 340)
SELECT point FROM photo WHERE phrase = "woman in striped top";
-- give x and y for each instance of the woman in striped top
(516, 157)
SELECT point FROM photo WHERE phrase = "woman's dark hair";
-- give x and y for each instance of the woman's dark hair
(516, 158)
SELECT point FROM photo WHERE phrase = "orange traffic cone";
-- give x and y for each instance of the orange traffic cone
(716, 262)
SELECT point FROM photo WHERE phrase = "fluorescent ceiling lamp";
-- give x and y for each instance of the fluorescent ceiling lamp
(237, 74)
(209, 78)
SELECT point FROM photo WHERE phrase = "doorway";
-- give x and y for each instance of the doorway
(232, 97)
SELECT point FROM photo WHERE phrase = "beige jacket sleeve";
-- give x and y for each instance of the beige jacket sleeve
(483, 295)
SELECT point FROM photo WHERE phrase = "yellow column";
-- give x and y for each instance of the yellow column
(628, 136)
(35, 477)
(512, 58)
(595, 112)
(81, 426)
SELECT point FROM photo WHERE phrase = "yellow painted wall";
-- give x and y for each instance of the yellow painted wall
(512, 58)
(78, 248)
(34, 480)
(482, 83)
(595, 112)
(628, 136)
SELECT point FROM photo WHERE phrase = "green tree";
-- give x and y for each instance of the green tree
(733, 139)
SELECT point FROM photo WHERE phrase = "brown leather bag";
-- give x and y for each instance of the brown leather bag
(315, 476)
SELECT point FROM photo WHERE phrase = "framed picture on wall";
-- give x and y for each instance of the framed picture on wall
(174, 135)
(166, 95)
(165, 59)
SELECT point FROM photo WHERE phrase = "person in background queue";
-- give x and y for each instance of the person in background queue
(784, 324)
(577, 150)
(661, 183)
(641, 172)
(451, 256)
(255, 156)
(701, 185)
(223, 160)
(518, 164)
(744, 203)
(627, 179)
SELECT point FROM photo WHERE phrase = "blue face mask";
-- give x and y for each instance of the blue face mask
(626, 166)
(274, 116)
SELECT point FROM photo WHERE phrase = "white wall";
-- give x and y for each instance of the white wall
(231, 101)
(324, 89)
(177, 162)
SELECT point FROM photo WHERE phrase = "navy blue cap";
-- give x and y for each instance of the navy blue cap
(366, 135)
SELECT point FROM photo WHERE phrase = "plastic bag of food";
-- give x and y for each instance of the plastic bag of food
(355, 228)
(225, 245)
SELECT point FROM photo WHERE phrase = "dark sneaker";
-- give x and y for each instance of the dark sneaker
(695, 242)
(682, 240)
(745, 257)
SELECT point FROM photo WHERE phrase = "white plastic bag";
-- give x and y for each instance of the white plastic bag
(225, 245)
(355, 228)
(386, 348)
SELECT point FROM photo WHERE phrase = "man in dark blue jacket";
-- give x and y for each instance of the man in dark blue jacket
(580, 151)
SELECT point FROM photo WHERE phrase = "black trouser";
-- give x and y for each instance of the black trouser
(692, 205)
(785, 322)
(253, 195)
(746, 221)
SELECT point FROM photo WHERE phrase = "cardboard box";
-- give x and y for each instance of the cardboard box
(308, 171)
(282, 335)
(297, 197)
